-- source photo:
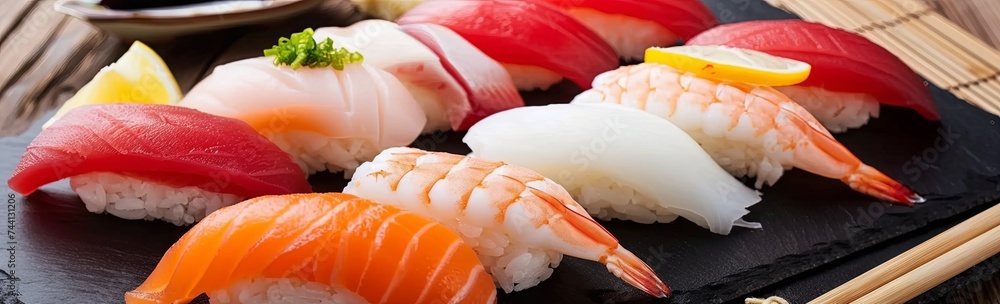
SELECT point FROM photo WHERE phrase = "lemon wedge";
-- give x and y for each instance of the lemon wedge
(731, 64)
(139, 76)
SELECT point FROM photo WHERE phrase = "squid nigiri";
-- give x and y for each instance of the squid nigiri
(850, 74)
(488, 84)
(619, 163)
(749, 130)
(317, 248)
(632, 26)
(129, 160)
(539, 44)
(326, 119)
(519, 222)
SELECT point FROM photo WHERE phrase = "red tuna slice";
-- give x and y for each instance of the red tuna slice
(841, 61)
(488, 84)
(685, 18)
(527, 33)
(172, 145)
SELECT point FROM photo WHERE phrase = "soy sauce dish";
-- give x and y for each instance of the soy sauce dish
(164, 19)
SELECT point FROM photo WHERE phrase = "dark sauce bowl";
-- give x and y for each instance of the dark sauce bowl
(167, 19)
(148, 4)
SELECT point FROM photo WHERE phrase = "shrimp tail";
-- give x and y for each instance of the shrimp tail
(870, 181)
(634, 271)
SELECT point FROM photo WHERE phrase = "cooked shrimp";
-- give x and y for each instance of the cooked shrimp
(519, 222)
(749, 130)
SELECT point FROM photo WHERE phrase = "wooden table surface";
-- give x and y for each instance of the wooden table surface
(46, 56)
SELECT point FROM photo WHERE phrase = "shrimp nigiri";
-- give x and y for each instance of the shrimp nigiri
(749, 130)
(519, 222)
(312, 248)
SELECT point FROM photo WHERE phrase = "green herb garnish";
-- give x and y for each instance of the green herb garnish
(301, 50)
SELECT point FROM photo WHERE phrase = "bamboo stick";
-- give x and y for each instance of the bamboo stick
(919, 255)
(925, 277)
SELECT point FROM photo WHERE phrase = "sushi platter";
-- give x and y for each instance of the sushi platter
(537, 151)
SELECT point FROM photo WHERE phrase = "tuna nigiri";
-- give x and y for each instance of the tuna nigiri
(538, 43)
(619, 163)
(519, 222)
(317, 248)
(142, 161)
(749, 130)
(632, 26)
(325, 118)
(850, 74)
(488, 84)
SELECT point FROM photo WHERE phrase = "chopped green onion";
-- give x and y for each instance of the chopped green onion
(301, 50)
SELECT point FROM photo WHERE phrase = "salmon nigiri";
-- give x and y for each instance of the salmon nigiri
(312, 248)
(850, 74)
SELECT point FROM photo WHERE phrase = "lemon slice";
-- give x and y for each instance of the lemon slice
(732, 64)
(139, 76)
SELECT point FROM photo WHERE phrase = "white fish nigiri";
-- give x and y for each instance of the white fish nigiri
(386, 46)
(324, 118)
(490, 87)
(617, 162)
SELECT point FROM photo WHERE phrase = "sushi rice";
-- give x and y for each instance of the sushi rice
(131, 198)
(283, 291)
(514, 266)
(631, 44)
(837, 111)
(314, 152)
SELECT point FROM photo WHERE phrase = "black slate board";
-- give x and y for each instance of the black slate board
(67, 255)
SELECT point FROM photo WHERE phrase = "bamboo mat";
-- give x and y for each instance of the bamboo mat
(944, 53)
(981, 17)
